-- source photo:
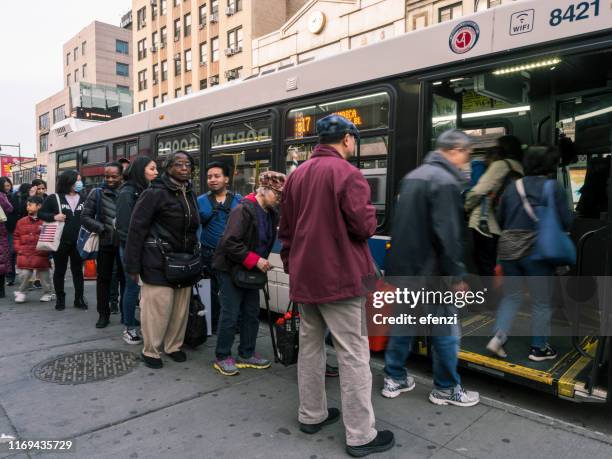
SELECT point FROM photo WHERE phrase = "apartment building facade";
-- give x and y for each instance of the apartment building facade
(96, 69)
(323, 28)
(183, 46)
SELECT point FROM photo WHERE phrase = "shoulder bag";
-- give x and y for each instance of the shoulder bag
(88, 243)
(51, 233)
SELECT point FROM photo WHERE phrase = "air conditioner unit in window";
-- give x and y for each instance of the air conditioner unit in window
(238, 49)
(162, 45)
(214, 17)
(201, 26)
(155, 81)
(231, 74)
(153, 49)
(229, 51)
(214, 80)
(154, 2)
(177, 57)
(230, 10)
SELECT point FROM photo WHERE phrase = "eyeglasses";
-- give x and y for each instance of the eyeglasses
(182, 165)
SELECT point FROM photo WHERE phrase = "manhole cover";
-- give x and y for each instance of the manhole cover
(85, 367)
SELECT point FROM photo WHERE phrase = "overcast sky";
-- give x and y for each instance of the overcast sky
(31, 38)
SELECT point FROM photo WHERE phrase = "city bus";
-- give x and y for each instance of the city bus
(538, 70)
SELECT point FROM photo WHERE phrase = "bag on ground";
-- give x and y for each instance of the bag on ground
(196, 332)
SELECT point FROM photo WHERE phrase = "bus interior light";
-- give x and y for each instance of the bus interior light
(534, 65)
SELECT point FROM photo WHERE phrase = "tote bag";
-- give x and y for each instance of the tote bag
(88, 243)
(552, 244)
(51, 233)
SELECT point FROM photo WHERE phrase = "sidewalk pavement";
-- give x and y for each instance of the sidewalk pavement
(187, 410)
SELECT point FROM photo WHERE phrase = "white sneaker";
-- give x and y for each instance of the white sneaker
(457, 396)
(47, 297)
(496, 347)
(5, 438)
(20, 297)
(393, 388)
(131, 337)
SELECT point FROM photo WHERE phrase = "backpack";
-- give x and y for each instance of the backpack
(510, 177)
(196, 332)
(216, 207)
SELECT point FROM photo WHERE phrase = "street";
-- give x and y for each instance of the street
(188, 410)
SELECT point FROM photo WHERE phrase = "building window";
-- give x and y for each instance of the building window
(202, 16)
(142, 106)
(122, 47)
(450, 12)
(155, 101)
(187, 24)
(44, 142)
(154, 39)
(176, 3)
(203, 53)
(203, 84)
(494, 3)
(188, 60)
(67, 58)
(177, 93)
(141, 17)
(234, 41)
(164, 74)
(84, 71)
(76, 75)
(68, 80)
(155, 73)
(214, 6)
(177, 29)
(214, 47)
(233, 6)
(76, 53)
(142, 49)
(58, 114)
(177, 65)
(164, 35)
(153, 9)
(123, 88)
(123, 69)
(188, 89)
(43, 121)
(142, 80)
(83, 48)
(163, 7)
(164, 97)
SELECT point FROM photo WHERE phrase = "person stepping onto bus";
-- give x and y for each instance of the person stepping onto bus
(98, 216)
(246, 244)
(519, 232)
(29, 259)
(326, 221)
(69, 188)
(482, 201)
(139, 176)
(430, 210)
(215, 207)
(164, 223)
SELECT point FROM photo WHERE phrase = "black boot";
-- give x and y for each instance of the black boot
(60, 301)
(80, 303)
(2, 291)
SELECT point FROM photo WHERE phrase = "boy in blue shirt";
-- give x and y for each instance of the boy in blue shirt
(215, 206)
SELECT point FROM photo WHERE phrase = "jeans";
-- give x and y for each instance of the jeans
(130, 297)
(236, 302)
(540, 291)
(445, 359)
(107, 260)
(64, 253)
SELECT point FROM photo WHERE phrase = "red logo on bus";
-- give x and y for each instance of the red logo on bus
(464, 37)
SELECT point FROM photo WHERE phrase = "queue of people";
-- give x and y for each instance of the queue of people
(163, 237)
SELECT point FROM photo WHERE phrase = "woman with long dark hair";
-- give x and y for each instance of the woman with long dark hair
(69, 187)
(5, 251)
(138, 177)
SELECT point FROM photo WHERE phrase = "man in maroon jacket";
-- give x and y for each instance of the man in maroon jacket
(326, 220)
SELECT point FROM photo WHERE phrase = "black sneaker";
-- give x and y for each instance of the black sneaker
(152, 362)
(114, 308)
(540, 354)
(333, 414)
(80, 303)
(60, 301)
(384, 441)
(102, 322)
(178, 356)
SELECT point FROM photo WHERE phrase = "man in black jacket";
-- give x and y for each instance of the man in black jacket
(430, 211)
(98, 216)
(165, 217)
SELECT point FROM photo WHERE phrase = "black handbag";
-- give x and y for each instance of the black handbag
(196, 332)
(286, 335)
(181, 269)
(251, 279)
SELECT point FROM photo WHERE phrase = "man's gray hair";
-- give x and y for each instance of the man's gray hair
(452, 139)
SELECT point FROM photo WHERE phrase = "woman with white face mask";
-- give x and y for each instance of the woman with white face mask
(69, 187)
